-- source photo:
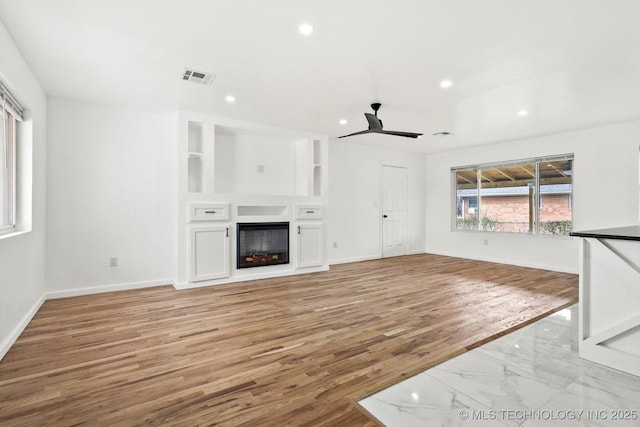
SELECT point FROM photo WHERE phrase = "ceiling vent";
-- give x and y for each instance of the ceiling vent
(198, 77)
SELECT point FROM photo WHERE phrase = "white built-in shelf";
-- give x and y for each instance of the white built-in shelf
(194, 179)
(262, 210)
(195, 137)
(195, 154)
(263, 163)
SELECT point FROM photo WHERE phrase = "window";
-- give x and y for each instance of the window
(525, 196)
(10, 111)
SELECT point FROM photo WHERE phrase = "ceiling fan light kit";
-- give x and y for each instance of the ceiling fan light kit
(375, 125)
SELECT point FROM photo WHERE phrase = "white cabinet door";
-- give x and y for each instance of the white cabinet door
(208, 252)
(310, 245)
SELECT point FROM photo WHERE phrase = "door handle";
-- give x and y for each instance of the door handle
(227, 231)
(384, 216)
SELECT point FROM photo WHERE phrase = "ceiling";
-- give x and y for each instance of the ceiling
(569, 64)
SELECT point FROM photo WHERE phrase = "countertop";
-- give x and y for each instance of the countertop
(630, 232)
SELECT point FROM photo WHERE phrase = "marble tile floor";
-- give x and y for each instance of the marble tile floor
(530, 377)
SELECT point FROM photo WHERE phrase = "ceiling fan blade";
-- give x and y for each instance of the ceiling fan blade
(362, 132)
(398, 133)
(375, 126)
(374, 122)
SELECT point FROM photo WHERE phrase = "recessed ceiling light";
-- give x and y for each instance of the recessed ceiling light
(522, 113)
(343, 122)
(230, 99)
(445, 84)
(305, 29)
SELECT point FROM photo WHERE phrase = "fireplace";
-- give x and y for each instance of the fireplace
(262, 243)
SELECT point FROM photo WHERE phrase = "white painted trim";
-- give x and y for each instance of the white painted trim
(621, 361)
(236, 279)
(612, 331)
(602, 319)
(371, 257)
(13, 233)
(107, 288)
(8, 342)
(504, 261)
(354, 259)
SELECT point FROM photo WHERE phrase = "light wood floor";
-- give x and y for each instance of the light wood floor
(289, 351)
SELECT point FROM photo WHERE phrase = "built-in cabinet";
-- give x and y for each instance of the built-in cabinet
(233, 172)
(208, 252)
(310, 235)
(208, 241)
(310, 245)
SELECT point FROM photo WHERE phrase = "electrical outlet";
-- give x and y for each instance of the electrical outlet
(113, 261)
(335, 245)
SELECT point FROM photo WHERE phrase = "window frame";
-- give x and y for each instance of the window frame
(11, 113)
(536, 202)
(8, 146)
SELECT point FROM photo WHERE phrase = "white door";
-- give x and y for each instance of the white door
(209, 252)
(310, 245)
(394, 211)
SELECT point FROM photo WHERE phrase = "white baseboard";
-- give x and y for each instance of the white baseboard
(353, 259)
(15, 333)
(107, 288)
(236, 279)
(505, 261)
(368, 258)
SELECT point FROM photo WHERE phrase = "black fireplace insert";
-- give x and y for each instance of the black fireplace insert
(262, 243)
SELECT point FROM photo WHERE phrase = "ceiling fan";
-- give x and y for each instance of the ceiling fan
(375, 126)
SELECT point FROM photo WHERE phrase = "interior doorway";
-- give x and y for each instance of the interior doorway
(394, 211)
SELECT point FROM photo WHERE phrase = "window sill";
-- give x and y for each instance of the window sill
(506, 233)
(13, 233)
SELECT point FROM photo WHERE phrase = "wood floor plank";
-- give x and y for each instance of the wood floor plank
(297, 350)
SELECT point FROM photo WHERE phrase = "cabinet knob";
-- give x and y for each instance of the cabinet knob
(384, 216)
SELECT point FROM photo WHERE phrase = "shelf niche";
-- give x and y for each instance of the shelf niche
(308, 168)
(195, 171)
(250, 162)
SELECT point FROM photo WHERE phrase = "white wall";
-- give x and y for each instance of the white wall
(354, 220)
(605, 195)
(22, 257)
(238, 156)
(112, 193)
